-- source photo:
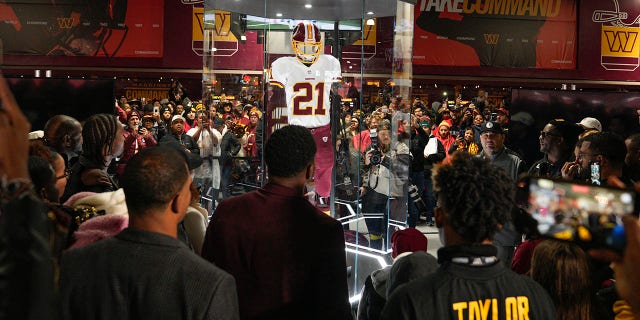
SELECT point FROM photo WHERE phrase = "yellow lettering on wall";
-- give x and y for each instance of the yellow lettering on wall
(468, 7)
(539, 6)
(460, 307)
(481, 9)
(551, 11)
(526, 6)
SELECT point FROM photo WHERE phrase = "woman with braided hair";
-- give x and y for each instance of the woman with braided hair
(102, 141)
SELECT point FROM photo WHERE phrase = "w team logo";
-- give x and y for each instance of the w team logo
(491, 38)
(619, 43)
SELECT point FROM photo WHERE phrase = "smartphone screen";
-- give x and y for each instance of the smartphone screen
(580, 212)
(595, 172)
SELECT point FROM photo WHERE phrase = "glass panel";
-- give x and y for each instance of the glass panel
(346, 75)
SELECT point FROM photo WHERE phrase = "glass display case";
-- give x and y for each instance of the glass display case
(341, 69)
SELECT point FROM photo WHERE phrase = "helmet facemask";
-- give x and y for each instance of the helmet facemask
(306, 42)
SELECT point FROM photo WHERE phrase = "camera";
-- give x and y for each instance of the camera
(493, 116)
(417, 200)
(376, 155)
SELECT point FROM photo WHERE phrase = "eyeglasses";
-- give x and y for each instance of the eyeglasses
(545, 134)
(65, 175)
(582, 155)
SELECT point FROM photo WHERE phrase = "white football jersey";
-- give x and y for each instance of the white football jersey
(307, 88)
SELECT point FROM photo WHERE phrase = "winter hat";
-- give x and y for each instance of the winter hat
(133, 113)
(444, 123)
(384, 125)
(408, 240)
(425, 121)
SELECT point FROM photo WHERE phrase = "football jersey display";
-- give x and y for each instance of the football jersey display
(307, 88)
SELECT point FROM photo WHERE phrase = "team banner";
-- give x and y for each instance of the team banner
(497, 33)
(611, 30)
(116, 28)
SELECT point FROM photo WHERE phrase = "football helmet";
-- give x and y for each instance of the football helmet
(306, 42)
(622, 13)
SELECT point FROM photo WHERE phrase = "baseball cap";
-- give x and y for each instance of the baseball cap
(177, 117)
(590, 123)
(491, 126)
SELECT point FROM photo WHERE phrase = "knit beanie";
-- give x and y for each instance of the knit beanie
(408, 240)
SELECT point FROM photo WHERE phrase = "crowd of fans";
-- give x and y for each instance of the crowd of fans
(103, 219)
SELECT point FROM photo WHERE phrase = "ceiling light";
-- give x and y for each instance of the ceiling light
(308, 6)
(370, 12)
(278, 14)
(371, 22)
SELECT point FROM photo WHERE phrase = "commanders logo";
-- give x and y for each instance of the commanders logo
(215, 34)
(619, 43)
(491, 38)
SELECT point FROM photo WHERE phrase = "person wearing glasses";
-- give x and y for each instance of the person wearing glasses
(604, 147)
(557, 139)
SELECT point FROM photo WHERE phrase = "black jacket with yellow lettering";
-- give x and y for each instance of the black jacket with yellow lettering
(460, 291)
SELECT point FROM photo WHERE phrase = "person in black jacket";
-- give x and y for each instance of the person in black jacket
(178, 134)
(475, 199)
(229, 147)
(421, 165)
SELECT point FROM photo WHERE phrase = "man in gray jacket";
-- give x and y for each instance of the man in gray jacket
(492, 138)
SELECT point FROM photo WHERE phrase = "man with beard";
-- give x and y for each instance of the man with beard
(557, 139)
(177, 134)
(493, 149)
(604, 147)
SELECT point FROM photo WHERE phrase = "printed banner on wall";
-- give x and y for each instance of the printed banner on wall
(497, 33)
(115, 28)
(610, 30)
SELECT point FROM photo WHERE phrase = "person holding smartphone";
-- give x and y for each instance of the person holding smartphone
(136, 138)
(603, 149)
(466, 142)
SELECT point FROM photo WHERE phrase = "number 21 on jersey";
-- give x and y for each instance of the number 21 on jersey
(309, 99)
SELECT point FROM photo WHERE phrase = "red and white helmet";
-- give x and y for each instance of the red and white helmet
(306, 42)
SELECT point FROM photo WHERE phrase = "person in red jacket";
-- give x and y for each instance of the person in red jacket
(136, 138)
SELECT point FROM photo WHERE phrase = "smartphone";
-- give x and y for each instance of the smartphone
(588, 214)
(156, 110)
(595, 172)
